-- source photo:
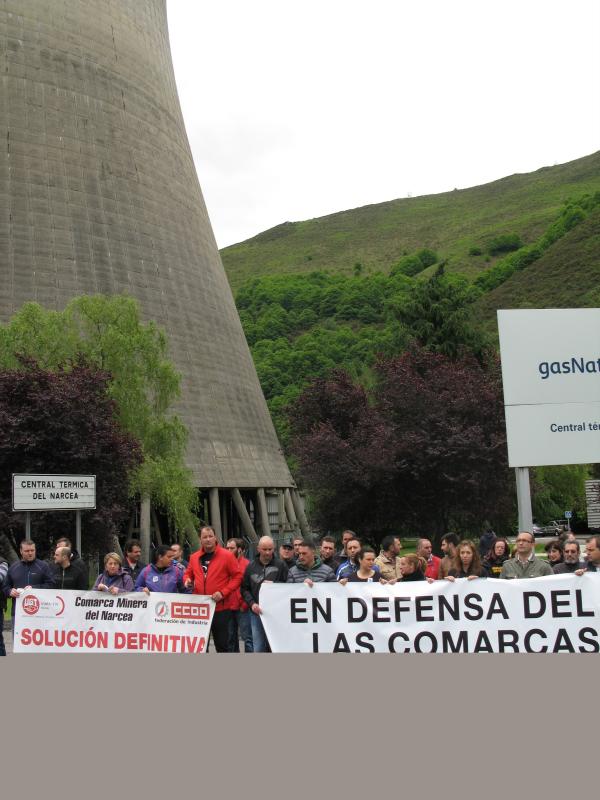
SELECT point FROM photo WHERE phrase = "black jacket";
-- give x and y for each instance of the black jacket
(485, 543)
(417, 575)
(333, 562)
(276, 571)
(133, 571)
(75, 576)
(493, 566)
(563, 568)
(80, 567)
(456, 573)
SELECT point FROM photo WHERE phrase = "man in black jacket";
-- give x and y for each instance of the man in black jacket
(132, 562)
(76, 561)
(265, 567)
(67, 574)
(286, 554)
(327, 553)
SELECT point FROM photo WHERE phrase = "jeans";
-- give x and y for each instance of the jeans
(259, 637)
(240, 626)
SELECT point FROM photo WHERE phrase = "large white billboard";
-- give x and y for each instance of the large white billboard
(551, 378)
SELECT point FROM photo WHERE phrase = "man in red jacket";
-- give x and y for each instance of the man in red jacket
(424, 549)
(215, 571)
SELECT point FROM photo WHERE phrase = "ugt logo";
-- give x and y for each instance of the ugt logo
(31, 605)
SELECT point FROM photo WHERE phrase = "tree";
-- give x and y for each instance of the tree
(64, 422)
(556, 489)
(438, 314)
(108, 333)
(423, 451)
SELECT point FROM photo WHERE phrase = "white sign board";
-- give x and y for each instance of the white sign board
(51, 621)
(551, 379)
(53, 492)
(554, 614)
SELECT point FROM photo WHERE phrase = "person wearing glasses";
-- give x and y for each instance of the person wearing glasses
(525, 564)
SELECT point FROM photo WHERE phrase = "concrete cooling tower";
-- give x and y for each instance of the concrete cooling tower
(99, 194)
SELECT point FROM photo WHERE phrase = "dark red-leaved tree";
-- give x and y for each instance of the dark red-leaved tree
(64, 423)
(423, 452)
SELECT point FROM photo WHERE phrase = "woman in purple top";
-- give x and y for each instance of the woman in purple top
(113, 579)
(161, 575)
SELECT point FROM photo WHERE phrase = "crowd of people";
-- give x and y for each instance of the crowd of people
(234, 582)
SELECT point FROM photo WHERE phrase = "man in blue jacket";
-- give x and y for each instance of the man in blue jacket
(28, 573)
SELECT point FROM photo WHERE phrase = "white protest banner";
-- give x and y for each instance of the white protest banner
(556, 614)
(51, 621)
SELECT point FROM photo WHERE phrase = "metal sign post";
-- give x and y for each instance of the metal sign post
(568, 515)
(78, 531)
(524, 499)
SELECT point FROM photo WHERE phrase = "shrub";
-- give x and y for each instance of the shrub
(505, 243)
(475, 251)
(408, 265)
(427, 257)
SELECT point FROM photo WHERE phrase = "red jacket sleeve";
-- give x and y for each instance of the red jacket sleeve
(235, 575)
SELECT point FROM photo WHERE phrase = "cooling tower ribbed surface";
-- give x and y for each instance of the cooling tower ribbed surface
(99, 194)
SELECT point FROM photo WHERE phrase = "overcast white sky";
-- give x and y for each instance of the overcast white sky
(299, 109)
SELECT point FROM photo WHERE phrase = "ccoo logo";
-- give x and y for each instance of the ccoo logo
(181, 610)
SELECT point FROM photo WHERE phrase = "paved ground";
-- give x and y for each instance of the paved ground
(8, 638)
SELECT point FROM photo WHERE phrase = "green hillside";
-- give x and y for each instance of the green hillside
(452, 224)
(566, 276)
(302, 325)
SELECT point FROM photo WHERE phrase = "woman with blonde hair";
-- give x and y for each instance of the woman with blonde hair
(413, 568)
(114, 579)
(467, 563)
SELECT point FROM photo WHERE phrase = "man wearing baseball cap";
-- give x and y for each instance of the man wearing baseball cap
(286, 553)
